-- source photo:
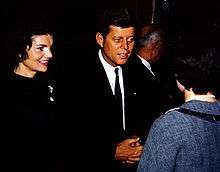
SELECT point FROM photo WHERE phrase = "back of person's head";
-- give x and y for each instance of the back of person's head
(198, 68)
(150, 42)
(149, 33)
(120, 17)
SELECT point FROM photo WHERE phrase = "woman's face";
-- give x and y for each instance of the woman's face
(38, 56)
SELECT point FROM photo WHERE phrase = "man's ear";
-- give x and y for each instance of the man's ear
(99, 39)
(180, 86)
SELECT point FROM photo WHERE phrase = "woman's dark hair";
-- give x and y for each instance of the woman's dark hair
(21, 36)
(199, 68)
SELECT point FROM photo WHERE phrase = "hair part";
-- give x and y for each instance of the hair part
(117, 17)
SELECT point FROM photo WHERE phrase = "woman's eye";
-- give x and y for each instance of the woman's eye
(41, 48)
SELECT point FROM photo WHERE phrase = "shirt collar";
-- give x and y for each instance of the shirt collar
(145, 62)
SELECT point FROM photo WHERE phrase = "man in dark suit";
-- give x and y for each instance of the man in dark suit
(115, 37)
(150, 98)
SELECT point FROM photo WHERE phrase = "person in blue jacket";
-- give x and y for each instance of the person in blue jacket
(187, 138)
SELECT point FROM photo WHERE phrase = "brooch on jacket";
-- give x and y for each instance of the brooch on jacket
(51, 89)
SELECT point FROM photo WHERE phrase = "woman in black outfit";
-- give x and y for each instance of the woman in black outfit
(30, 101)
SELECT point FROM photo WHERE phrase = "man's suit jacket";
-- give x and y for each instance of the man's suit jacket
(92, 125)
(105, 122)
(146, 102)
(142, 105)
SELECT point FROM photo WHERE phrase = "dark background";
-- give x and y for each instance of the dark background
(74, 22)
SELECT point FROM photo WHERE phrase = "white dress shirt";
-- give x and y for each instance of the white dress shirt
(110, 72)
(147, 64)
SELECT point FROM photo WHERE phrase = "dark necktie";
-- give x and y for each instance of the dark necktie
(118, 95)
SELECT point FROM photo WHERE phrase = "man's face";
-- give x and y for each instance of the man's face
(118, 45)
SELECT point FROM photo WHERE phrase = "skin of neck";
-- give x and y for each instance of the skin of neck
(190, 95)
(24, 71)
(146, 55)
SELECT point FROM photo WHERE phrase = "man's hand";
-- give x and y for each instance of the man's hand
(129, 150)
